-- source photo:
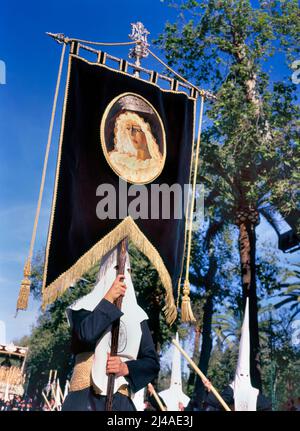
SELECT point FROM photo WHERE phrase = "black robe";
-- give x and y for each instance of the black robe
(88, 328)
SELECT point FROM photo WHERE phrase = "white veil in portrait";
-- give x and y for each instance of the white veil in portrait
(123, 143)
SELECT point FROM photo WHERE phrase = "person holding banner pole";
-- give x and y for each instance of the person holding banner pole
(136, 363)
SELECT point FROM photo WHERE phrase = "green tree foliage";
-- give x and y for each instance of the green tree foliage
(291, 291)
(222, 365)
(280, 360)
(211, 253)
(250, 147)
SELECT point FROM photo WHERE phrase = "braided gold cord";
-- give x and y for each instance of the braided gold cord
(25, 286)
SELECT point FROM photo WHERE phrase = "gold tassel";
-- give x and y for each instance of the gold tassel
(25, 288)
(186, 309)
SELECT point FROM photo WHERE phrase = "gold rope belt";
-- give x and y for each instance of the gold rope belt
(82, 375)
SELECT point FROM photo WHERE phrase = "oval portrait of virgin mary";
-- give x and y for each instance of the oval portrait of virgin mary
(133, 139)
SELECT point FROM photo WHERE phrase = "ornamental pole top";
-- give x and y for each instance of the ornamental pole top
(58, 37)
(139, 34)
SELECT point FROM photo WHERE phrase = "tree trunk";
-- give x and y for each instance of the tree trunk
(192, 376)
(206, 348)
(247, 219)
(156, 301)
(153, 311)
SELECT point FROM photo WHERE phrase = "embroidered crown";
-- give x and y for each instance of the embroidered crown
(133, 103)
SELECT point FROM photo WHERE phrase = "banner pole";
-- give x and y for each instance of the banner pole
(122, 249)
(201, 375)
(154, 393)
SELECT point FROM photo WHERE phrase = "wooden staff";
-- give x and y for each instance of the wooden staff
(53, 391)
(122, 248)
(58, 396)
(60, 393)
(47, 402)
(48, 387)
(153, 391)
(201, 375)
(24, 361)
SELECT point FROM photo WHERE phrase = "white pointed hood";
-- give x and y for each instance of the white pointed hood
(174, 395)
(57, 396)
(245, 395)
(130, 323)
(138, 400)
(66, 390)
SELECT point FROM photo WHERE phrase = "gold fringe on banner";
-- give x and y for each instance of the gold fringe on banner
(25, 288)
(127, 228)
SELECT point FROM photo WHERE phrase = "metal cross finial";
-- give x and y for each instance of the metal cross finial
(139, 35)
(58, 37)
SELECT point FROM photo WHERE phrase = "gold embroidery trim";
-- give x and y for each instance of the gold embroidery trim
(82, 375)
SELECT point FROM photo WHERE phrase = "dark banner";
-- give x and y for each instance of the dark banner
(114, 127)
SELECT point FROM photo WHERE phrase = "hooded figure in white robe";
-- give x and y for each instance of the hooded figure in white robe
(245, 395)
(91, 319)
(139, 400)
(174, 397)
(240, 391)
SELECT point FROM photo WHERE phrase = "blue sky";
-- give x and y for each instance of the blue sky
(32, 60)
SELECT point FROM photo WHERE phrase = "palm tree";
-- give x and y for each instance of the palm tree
(227, 326)
(209, 254)
(291, 294)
